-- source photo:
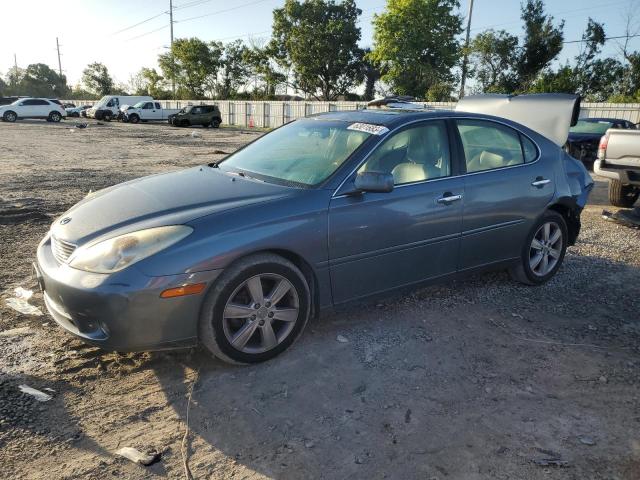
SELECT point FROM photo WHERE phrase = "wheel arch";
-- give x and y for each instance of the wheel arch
(571, 213)
(302, 264)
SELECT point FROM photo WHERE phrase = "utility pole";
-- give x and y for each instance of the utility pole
(173, 73)
(465, 58)
(59, 62)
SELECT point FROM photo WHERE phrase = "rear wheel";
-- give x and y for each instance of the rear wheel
(10, 116)
(255, 310)
(215, 123)
(55, 117)
(622, 195)
(543, 251)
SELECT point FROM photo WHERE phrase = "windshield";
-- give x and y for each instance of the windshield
(596, 127)
(139, 105)
(102, 101)
(303, 152)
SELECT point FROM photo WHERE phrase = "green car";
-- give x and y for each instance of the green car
(205, 115)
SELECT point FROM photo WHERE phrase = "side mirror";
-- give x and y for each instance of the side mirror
(376, 182)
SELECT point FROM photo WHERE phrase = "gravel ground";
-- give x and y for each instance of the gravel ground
(482, 378)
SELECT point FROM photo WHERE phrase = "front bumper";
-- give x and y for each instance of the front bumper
(121, 311)
(627, 175)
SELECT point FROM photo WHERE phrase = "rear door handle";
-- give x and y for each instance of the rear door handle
(540, 182)
(448, 198)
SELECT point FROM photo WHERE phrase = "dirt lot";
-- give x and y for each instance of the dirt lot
(478, 379)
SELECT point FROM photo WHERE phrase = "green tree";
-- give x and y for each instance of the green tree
(234, 70)
(561, 81)
(149, 82)
(3, 87)
(493, 56)
(586, 64)
(542, 42)
(193, 64)
(318, 40)
(266, 72)
(416, 45)
(13, 80)
(41, 81)
(96, 79)
(371, 72)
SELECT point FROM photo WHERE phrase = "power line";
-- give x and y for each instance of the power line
(139, 23)
(223, 11)
(148, 33)
(608, 5)
(608, 38)
(193, 3)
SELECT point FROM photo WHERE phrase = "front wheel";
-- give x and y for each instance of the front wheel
(134, 118)
(623, 196)
(10, 117)
(543, 251)
(255, 310)
(107, 116)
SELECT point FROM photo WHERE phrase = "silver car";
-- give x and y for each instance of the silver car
(238, 255)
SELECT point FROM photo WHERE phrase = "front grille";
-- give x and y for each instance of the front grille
(61, 250)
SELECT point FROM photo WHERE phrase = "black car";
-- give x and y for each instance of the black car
(8, 100)
(584, 136)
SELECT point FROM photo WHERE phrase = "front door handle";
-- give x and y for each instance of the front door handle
(448, 198)
(540, 182)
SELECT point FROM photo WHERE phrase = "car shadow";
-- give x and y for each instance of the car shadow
(427, 383)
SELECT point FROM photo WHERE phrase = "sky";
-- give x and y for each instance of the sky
(106, 31)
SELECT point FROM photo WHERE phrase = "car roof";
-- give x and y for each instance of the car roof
(393, 118)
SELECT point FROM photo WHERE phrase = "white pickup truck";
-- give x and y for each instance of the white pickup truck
(148, 111)
(619, 161)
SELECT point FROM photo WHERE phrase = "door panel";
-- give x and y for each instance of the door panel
(501, 204)
(379, 241)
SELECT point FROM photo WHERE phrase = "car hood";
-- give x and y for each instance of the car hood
(165, 199)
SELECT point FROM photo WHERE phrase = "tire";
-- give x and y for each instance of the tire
(216, 332)
(107, 116)
(74, 115)
(529, 272)
(215, 123)
(185, 123)
(623, 196)
(134, 119)
(10, 116)
(55, 117)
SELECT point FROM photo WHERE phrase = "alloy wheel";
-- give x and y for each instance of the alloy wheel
(546, 248)
(260, 313)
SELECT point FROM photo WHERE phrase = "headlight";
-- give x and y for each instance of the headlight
(119, 252)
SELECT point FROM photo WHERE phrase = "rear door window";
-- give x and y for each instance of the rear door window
(489, 145)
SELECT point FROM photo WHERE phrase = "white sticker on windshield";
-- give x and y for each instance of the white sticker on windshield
(368, 128)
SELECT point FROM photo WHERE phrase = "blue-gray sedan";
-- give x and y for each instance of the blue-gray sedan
(237, 255)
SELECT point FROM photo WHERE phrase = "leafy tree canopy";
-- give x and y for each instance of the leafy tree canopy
(416, 44)
(97, 80)
(193, 64)
(318, 40)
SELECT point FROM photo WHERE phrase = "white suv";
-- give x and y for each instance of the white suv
(32, 108)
